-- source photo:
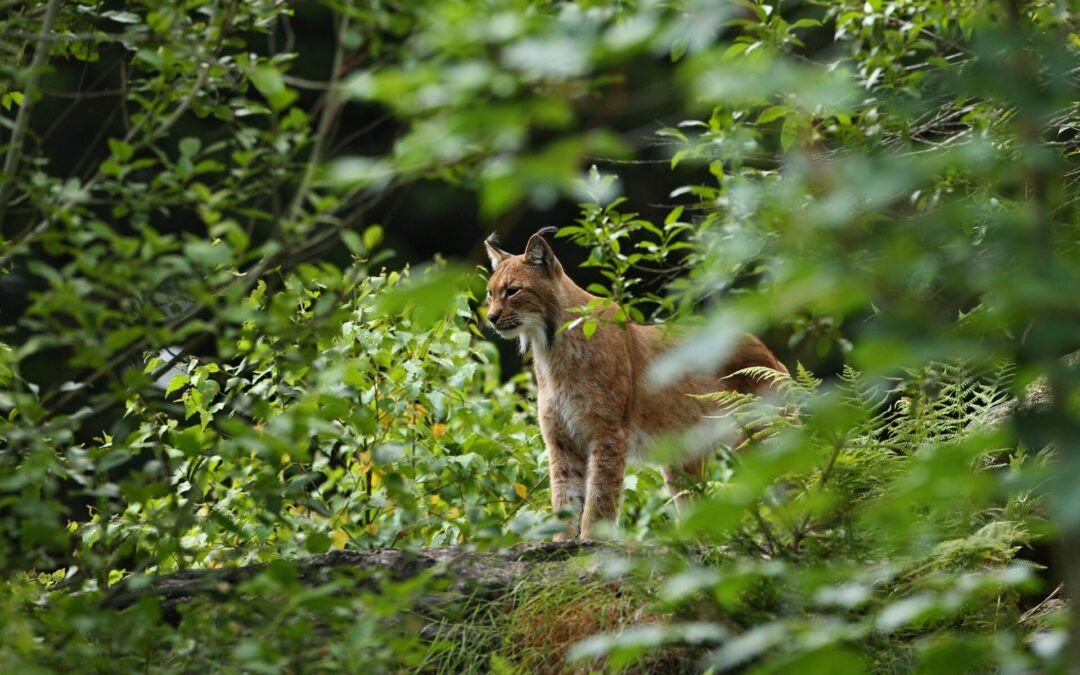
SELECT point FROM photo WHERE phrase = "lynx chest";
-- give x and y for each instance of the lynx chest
(585, 404)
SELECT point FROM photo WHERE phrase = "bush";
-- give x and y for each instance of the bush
(211, 355)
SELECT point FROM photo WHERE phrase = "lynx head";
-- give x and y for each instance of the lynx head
(524, 292)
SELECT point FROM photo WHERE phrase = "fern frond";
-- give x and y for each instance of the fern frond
(727, 398)
(805, 379)
(762, 374)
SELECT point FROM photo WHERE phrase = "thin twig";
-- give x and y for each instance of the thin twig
(333, 105)
(1028, 615)
(763, 525)
(22, 121)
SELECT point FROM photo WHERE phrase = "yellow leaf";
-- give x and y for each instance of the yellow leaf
(372, 529)
(521, 490)
(438, 430)
(365, 460)
(435, 499)
(340, 538)
(413, 413)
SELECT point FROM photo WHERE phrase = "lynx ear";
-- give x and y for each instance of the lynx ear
(496, 254)
(538, 252)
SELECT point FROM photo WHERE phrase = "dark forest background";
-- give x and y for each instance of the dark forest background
(252, 419)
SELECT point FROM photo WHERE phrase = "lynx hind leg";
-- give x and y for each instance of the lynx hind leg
(681, 481)
(567, 472)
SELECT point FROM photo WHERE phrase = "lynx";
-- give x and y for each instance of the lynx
(596, 409)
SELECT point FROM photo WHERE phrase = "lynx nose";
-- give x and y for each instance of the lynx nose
(493, 317)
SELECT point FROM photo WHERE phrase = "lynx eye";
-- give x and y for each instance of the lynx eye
(510, 292)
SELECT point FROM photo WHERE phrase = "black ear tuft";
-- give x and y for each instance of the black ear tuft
(545, 231)
(495, 254)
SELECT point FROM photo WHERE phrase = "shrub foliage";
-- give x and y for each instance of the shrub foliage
(210, 355)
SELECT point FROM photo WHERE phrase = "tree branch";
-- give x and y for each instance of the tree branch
(496, 572)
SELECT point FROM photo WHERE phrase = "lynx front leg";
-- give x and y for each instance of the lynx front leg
(607, 467)
(567, 471)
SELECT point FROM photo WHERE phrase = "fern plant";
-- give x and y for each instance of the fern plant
(860, 518)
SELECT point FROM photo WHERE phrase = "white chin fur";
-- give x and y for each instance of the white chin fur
(530, 333)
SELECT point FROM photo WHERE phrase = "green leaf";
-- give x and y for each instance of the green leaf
(208, 254)
(359, 172)
(373, 236)
(120, 149)
(189, 147)
(122, 337)
(674, 215)
(317, 542)
(352, 241)
(499, 194)
(111, 167)
(773, 113)
(177, 382)
(267, 80)
(426, 295)
(122, 17)
(678, 48)
(271, 85)
(188, 440)
(788, 132)
(160, 22)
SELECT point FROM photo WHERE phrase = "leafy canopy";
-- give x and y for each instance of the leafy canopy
(211, 357)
